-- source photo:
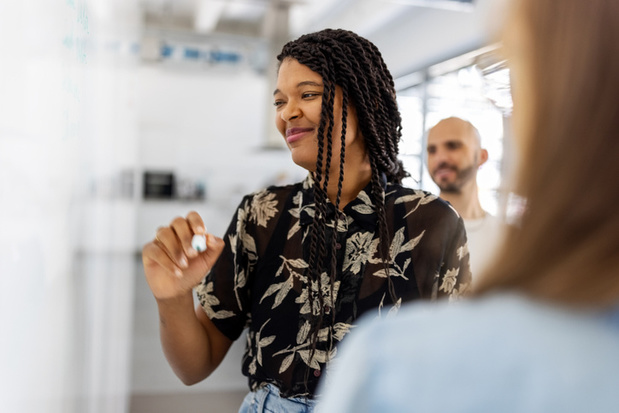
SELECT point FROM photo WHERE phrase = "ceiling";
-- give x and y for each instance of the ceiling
(264, 18)
(273, 22)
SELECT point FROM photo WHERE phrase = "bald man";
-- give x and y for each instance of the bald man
(454, 154)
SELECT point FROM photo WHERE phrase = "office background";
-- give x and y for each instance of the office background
(116, 116)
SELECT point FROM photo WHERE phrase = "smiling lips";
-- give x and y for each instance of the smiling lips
(294, 134)
(443, 171)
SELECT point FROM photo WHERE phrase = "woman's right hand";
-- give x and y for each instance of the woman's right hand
(171, 265)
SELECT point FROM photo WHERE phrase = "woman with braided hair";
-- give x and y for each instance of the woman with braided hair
(300, 263)
(540, 331)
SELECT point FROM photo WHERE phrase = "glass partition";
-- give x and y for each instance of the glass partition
(454, 88)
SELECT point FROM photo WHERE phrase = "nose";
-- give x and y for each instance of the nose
(439, 155)
(291, 111)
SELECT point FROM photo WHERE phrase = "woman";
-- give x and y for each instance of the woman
(300, 263)
(542, 332)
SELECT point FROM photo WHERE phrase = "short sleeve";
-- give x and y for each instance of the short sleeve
(455, 271)
(224, 293)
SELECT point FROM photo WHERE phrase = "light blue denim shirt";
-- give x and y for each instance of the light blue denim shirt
(500, 354)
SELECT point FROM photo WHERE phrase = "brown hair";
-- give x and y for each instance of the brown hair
(566, 245)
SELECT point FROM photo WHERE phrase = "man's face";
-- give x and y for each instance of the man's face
(453, 155)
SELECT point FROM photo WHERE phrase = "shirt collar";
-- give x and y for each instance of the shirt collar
(361, 210)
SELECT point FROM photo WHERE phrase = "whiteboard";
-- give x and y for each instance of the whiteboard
(67, 135)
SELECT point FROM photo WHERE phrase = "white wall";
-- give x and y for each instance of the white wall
(66, 289)
(207, 124)
(76, 121)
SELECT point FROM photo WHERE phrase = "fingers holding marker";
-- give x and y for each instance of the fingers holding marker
(154, 252)
(196, 223)
(198, 242)
(184, 232)
(169, 241)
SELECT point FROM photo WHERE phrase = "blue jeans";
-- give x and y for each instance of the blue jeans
(268, 400)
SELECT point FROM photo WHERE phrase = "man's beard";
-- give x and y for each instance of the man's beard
(462, 177)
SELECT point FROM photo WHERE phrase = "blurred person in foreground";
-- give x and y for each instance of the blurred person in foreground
(541, 331)
(300, 263)
(454, 155)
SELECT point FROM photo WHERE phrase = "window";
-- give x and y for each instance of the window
(453, 88)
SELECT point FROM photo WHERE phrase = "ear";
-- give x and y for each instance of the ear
(483, 157)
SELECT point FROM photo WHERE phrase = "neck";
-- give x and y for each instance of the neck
(466, 201)
(356, 177)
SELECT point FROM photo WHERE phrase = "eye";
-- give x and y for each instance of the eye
(278, 103)
(310, 95)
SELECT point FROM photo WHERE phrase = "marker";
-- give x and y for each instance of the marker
(198, 242)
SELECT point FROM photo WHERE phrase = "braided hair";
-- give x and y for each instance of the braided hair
(345, 59)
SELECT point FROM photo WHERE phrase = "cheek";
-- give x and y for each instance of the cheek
(431, 160)
(280, 124)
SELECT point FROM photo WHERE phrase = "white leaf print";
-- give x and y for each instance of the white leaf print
(381, 305)
(409, 198)
(320, 356)
(298, 263)
(395, 308)
(207, 299)
(363, 196)
(279, 270)
(266, 341)
(286, 363)
(222, 314)
(252, 367)
(411, 244)
(359, 249)
(363, 209)
(305, 357)
(297, 200)
(293, 230)
(272, 289)
(381, 273)
(323, 334)
(427, 199)
(263, 207)
(463, 251)
(406, 264)
(392, 272)
(340, 330)
(450, 280)
(249, 244)
(424, 198)
(283, 292)
(240, 280)
(458, 293)
(396, 243)
(303, 332)
(373, 250)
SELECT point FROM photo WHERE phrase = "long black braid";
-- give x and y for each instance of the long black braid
(356, 65)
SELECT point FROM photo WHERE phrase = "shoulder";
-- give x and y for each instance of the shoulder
(418, 199)
(423, 210)
(489, 353)
(274, 191)
(260, 206)
(272, 196)
(496, 317)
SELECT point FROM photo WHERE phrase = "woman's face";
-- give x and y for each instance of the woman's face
(298, 102)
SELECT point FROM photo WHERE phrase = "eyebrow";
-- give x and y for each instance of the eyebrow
(305, 83)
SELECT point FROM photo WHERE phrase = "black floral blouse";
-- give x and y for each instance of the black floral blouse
(260, 282)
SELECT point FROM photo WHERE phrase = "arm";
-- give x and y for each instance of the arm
(193, 346)
(455, 273)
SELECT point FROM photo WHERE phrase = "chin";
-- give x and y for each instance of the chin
(305, 163)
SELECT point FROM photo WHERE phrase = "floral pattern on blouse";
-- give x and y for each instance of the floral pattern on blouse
(261, 283)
